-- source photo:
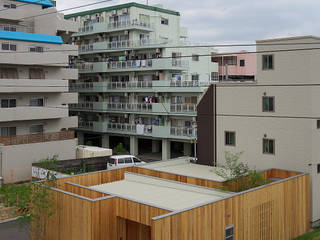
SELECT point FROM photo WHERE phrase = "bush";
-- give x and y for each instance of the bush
(119, 149)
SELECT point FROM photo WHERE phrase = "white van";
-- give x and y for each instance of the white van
(117, 161)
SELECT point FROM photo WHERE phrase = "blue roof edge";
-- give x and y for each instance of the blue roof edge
(30, 37)
(46, 3)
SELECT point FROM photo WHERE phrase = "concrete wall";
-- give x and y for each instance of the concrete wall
(293, 124)
(17, 159)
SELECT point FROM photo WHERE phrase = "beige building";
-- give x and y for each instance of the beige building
(275, 120)
(34, 76)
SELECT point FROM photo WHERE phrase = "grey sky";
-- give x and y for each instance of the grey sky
(235, 21)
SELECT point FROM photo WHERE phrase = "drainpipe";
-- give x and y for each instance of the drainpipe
(1, 176)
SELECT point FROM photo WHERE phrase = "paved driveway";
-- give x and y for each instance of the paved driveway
(13, 231)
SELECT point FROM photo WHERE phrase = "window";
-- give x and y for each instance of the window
(267, 62)
(128, 160)
(136, 160)
(195, 77)
(318, 168)
(195, 57)
(8, 5)
(36, 49)
(164, 21)
(8, 131)
(120, 161)
(242, 63)
(34, 129)
(268, 146)
(9, 73)
(268, 104)
(229, 233)
(36, 73)
(214, 76)
(8, 103)
(318, 124)
(9, 47)
(230, 138)
(36, 102)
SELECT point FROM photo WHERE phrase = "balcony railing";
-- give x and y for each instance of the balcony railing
(116, 25)
(130, 85)
(126, 24)
(37, 138)
(181, 131)
(130, 106)
(148, 63)
(122, 127)
(176, 83)
(85, 105)
(183, 107)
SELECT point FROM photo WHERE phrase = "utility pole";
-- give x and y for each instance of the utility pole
(1, 176)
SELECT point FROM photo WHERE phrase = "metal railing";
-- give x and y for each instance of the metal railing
(187, 107)
(130, 85)
(37, 138)
(181, 131)
(128, 23)
(148, 63)
(115, 25)
(85, 124)
(85, 105)
(177, 83)
(122, 127)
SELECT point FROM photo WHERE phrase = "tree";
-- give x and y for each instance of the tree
(238, 175)
(119, 149)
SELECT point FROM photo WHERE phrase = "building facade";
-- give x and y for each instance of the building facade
(273, 120)
(34, 85)
(237, 66)
(136, 86)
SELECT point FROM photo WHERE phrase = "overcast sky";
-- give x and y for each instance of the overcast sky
(234, 21)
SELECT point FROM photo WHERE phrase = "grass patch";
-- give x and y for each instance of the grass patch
(314, 235)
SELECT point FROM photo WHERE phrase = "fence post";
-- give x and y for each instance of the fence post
(11, 175)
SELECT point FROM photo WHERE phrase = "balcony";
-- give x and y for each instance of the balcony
(57, 55)
(16, 28)
(29, 85)
(155, 131)
(134, 65)
(183, 108)
(150, 108)
(32, 113)
(182, 132)
(140, 86)
(37, 138)
(104, 27)
(99, 47)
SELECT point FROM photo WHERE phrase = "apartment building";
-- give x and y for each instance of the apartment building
(34, 85)
(236, 66)
(139, 81)
(274, 120)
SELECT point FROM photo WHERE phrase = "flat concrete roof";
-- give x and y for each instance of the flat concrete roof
(160, 193)
(182, 166)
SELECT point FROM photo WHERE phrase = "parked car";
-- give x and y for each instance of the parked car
(117, 161)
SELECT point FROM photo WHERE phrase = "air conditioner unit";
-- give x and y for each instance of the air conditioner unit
(114, 12)
(126, 116)
(126, 52)
(158, 50)
(124, 10)
(126, 32)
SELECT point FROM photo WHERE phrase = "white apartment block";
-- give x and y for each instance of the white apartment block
(136, 85)
(275, 120)
(34, 85)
